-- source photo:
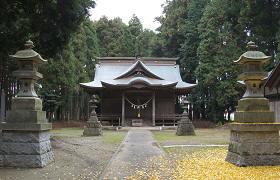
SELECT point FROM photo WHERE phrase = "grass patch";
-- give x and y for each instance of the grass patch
(108, 137)
(67, 132)
(203, 136)
(167, 135)
(113, 137)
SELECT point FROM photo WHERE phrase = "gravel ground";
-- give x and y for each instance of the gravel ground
(76, 157)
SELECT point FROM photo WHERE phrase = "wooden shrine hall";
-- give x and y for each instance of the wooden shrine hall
(137, 91)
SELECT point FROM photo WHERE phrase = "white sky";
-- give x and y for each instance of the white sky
(145, 10)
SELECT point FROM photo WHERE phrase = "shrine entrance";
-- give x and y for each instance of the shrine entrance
(138, 108)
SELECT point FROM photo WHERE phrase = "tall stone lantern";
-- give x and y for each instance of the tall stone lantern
(254, 136)
(25, 140)
(185, 126)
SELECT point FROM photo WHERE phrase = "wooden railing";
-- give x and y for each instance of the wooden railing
(161, 120)
(110, 120)
(167, 120)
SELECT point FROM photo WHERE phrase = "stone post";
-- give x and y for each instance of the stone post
(254, 136)
(25, 140)
(185, 126)
(93, 126)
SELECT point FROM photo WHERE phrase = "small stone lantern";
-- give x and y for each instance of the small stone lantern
(25, 134)
(93, 126)
(254, 134)
(51, 104)
(185, 126)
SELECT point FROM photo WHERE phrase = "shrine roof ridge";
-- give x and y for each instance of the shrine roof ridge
(137, 58)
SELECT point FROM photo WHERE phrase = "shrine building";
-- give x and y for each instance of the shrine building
(272, 91)
(137, 91)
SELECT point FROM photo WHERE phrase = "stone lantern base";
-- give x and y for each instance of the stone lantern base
(25, 149)
(254, 144)
(25, 139)
(93, 128)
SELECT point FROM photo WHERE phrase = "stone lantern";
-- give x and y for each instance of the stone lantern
(51, 105)
(185, 126)
(254, 138)
(93, 126)
(25, 140)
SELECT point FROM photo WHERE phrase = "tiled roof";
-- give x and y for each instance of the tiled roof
(156, 73)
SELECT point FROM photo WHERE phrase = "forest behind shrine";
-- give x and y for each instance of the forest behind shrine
(206, 36)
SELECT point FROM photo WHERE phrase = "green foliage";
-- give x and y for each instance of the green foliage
(50, 25)
(260, 20)
(188, 50)
(74, 64)
(135, 26)
(92, 50)
(118, 39)
(216, 73)
(110, 34)
(207, 36)
(146, 43)
(278, 49)
(172, 23)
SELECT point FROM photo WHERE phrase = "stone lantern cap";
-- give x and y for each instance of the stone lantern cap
(252, 55)
(251, 62)
(29, 54)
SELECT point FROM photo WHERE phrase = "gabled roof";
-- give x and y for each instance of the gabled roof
(137, 73)
(141, 66)
(139, 82)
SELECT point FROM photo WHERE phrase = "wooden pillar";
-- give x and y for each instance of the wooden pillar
(154, 109)
(123, 109)
(101, 104)
(2, 108)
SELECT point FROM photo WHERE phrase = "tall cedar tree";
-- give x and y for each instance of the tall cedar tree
(260, 19)
(74, 64)
(216, 73)
(188, 51)
(49, 24)
(171, 30)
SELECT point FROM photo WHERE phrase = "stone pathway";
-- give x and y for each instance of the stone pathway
(136, 149)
